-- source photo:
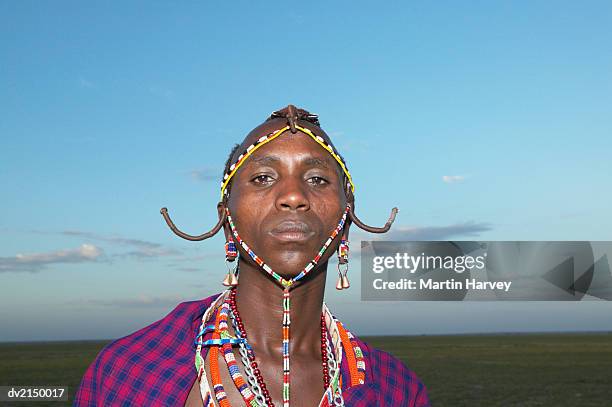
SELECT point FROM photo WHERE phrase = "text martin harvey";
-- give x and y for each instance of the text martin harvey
(429, 284)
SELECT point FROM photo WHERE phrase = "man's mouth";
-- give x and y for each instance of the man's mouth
(292, 231)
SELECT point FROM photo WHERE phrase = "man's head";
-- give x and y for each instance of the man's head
(288, 195)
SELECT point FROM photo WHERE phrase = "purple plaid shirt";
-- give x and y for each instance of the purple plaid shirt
(155, 367)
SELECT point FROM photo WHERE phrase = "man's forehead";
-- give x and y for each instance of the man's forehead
(313, 159)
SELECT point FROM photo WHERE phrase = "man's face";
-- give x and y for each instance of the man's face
(285, 200)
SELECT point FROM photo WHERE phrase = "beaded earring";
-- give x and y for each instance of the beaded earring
(231, 279)
(343, 251)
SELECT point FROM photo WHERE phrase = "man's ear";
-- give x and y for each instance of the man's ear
(348, 193)
(221, 208)
(350, 199)
(345, 231)
(221, 212)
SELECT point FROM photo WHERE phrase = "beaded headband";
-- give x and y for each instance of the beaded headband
(271, 136)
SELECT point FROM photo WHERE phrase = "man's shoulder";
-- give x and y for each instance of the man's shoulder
(145, 359)
(396, 380)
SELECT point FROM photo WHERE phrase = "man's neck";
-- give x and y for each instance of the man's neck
(259, 299)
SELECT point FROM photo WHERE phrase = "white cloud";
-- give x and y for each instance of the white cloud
(84, 83)
(206, 174)
(142, 248)
(37, 261)
(451, 179)
(470, 228)
(85, 251)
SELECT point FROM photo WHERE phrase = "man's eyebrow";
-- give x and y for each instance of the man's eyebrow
(264, 159)
(316, 161)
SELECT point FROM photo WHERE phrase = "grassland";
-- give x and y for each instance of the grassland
(509, 370)
(458, 370)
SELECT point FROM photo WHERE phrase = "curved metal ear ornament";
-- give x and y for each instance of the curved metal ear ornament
(373, 229)
(211, 233)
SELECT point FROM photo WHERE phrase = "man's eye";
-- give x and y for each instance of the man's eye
(317, 180)
(262, 179)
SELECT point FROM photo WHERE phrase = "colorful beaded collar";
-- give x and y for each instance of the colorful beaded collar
(343, 343)
(271, 136)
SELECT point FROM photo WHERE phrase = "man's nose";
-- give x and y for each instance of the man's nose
(292, 196)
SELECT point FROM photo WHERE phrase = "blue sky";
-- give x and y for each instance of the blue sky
(479, 120)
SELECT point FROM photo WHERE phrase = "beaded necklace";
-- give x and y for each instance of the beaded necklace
(242, 334)
(219, 311)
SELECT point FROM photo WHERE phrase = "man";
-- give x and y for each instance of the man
(287, 204)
